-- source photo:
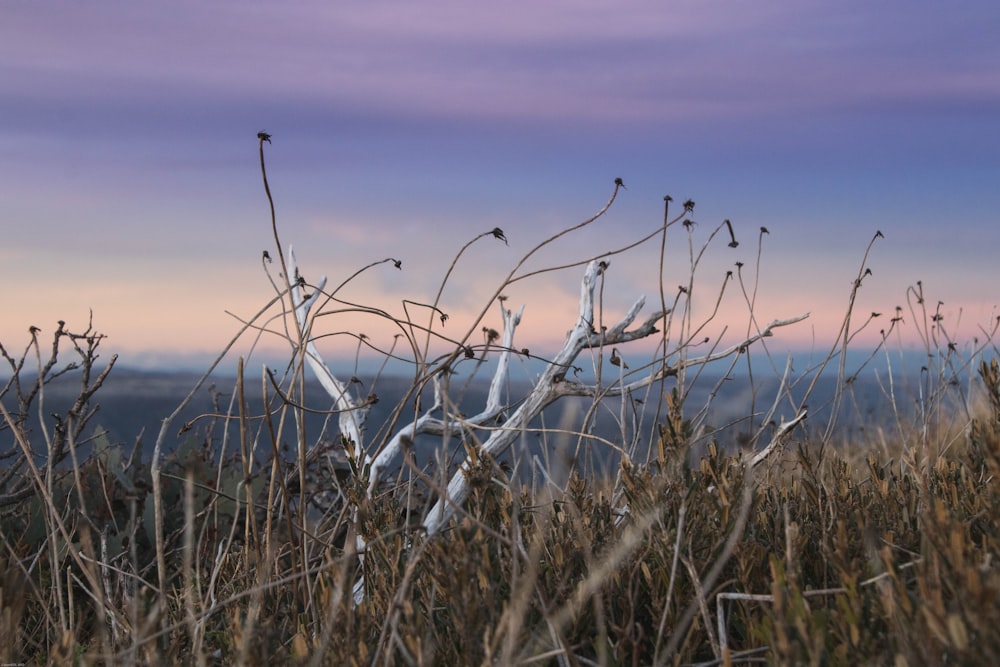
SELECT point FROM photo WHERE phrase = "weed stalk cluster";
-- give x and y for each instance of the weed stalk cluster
(246, 539)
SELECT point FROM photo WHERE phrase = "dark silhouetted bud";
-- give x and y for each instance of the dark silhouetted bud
(616, 360)
(733, 242)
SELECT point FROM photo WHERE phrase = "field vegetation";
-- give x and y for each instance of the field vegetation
(246, 538)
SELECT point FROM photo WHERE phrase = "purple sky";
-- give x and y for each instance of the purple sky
(131, 184)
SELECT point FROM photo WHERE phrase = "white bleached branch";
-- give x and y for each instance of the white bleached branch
(551, 386)
(580, 389)
(779, 438)
(427, 424)
(353, 412)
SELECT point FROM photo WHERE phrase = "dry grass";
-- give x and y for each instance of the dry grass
(881, 550)
(850, 559)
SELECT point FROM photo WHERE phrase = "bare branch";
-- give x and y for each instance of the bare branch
(551, 386)
(779, 439)
(426, 424)
(353, 411)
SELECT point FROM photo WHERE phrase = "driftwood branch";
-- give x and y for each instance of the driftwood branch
(779, 438)
(428, 424)
(353, 411)
(551, 386)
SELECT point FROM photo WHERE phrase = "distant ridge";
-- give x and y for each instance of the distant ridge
(134, 402)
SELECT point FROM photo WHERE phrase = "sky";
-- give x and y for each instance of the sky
(131, 185)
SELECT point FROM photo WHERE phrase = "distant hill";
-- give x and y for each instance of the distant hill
(134, 403)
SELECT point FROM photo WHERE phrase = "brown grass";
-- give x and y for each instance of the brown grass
(880, 550)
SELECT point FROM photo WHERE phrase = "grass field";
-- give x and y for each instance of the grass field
(778, 536)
